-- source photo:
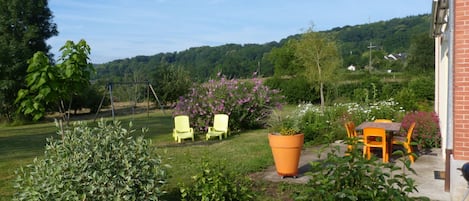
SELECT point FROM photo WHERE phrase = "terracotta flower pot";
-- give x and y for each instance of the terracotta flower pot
(286, 151)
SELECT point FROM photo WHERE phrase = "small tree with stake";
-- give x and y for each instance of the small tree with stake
(49, 84)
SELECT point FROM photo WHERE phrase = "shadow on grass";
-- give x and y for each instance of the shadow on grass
(22, 142)
(23, 146)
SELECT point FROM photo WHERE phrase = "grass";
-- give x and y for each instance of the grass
(243, 153)
(18, 146)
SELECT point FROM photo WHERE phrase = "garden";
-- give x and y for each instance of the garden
(136, 158)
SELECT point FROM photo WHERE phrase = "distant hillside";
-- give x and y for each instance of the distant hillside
(235, 60)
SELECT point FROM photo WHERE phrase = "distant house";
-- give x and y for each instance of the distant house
(351, 68)
(395, 57)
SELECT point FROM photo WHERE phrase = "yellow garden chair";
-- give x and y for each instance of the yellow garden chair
(220, 127)
(182, 129)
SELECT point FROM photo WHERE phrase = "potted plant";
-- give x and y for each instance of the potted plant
(286, 143)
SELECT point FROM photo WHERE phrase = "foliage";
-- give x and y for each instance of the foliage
(43, 85)
(202, 63)
(423, 87)
(248, 103)
(75, 67)
(283, 59)
(319, 59)
(295, 89)
(353, 177)
(289, 125)
(393, 36)
(47, 84)
(101, 163)
(407, 98)
(171, 83)
(326, 126)
(421, 54)
(427, 131)
(355, 112)
(25, 26)
(90, 97)
(214, 182)
(235, 60)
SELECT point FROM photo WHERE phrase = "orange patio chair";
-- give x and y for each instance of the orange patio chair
(375, 138)
(405, 141)
(352, 133)
(383, 120)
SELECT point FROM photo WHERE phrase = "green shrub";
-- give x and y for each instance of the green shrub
(215, 183)
(423, 87)
(101, 163)
(390, 90)
(295, 90)
(353, 177)
(361, 95)
(355, 112)
(321, 126)
(316, 126)
(407, 98)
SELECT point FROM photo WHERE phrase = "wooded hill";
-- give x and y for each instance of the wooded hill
(240, 61)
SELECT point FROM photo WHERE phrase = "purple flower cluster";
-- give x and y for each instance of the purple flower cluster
(249, 103)
(427, 130)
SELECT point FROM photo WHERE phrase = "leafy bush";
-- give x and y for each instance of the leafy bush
(427, 131)
(101, 163)
(248, 103)
(295, 90)
(289, 125)
(320, 126)
(408, 99)
(353, 177)
(316, 124)
(355, 112)
(215, 183)
(423, 87)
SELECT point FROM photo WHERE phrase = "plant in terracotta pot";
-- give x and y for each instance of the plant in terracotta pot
(286, 142)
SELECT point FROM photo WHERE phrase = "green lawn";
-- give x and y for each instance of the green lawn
(18, 146)
(244, 153)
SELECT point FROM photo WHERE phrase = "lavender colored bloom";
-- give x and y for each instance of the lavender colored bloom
(248, 102)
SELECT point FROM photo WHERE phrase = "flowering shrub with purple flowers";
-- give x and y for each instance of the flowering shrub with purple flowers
(427, 131)
(248, 103)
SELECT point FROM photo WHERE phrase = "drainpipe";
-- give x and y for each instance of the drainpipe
(449, 120)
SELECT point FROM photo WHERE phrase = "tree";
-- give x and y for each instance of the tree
(319, 58)
(171, 83)
(42, 83)
(25, 25)
(75, 71)
(47, 84)
(283, 59)
(421, 54)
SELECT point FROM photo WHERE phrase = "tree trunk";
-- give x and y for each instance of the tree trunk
(321, 92)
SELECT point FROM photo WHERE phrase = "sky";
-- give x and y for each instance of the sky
(119, 29)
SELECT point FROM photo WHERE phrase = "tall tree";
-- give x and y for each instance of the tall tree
(25, 25)
(320, 59)
(421, 54)
(75, 71)
(171, 82)
(283, 59)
